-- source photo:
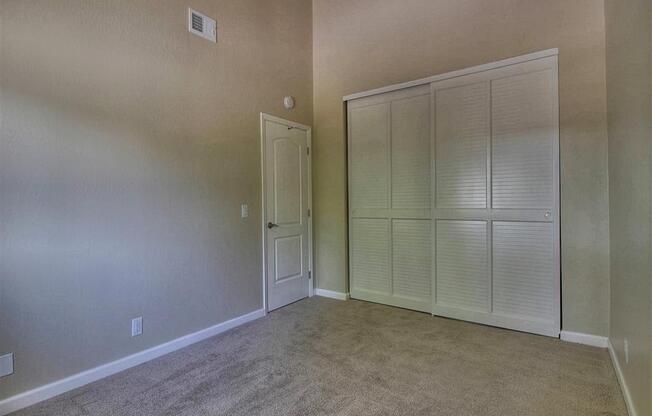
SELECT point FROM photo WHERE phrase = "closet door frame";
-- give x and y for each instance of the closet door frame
(546, 58)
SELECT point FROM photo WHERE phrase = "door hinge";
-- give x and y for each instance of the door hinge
(309, 275)
(308, 213)
(308, 150)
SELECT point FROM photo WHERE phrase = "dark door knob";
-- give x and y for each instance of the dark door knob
(271, 225)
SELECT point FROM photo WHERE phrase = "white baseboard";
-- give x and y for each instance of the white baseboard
(586, 339)
(621, 380)
(58, 387)
(331, 294)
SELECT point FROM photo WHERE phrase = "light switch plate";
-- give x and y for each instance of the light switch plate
(6, 365)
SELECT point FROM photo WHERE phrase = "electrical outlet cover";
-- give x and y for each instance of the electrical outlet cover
(6, 365)
(136, 326)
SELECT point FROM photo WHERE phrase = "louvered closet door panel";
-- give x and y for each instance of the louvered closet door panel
(497, 193)
(411, 152)
(462, 133)
(522, 143)
(523, 270)
(462, 271)
(411, 260)
(390, 225)
(369, 155)
(370, 256)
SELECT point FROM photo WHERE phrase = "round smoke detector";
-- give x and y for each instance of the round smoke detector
(288, 102)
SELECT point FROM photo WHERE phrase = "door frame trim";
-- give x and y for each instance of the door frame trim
(454, 74)
(263, 165)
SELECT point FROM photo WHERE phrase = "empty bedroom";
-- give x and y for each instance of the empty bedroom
(326, 207)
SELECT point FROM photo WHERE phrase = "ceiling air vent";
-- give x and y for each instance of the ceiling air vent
(202, 25)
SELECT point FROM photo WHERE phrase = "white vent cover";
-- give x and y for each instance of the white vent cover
(202, 25)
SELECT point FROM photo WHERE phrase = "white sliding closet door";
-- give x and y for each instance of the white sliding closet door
(389, 185)
(454, 196)
(496, 215)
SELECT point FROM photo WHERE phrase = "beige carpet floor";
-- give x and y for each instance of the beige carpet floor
(326, 357)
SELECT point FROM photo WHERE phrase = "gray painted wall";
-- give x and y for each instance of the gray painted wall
(629, 92)
(364, 44)
(127, 145)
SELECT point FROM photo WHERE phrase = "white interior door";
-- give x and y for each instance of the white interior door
(287, 205)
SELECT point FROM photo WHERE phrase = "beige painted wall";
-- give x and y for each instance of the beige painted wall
(127, 145)
(629, 92)
(359, 45)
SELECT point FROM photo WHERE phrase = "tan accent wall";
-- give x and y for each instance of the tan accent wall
(126, 148)
(629, 92)
(360, 45)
